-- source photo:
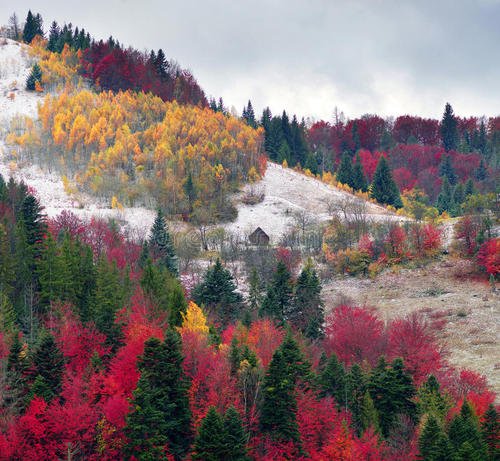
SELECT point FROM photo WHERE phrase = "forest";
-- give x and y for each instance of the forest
(107, 350)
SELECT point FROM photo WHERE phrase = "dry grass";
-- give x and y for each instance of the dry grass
(466, 308)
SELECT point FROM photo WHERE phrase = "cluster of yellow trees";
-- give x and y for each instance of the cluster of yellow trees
(142, 150)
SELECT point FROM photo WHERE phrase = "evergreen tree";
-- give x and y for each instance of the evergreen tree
(307, 311)
(279, 294)
(446, 169)
(469, 188)
(449, 130)
(464, 429)
(16, 379)
(345, 173)
(164, 292)
(392, 391)
(33, 220)
(32, 27)
(236, 438)
(356, 141)
(53, 37)
(109, 299)
(209, 444)
(298, 367)
(190, 191)
(433, 443)
(383, 187)
(358, 176)
(279, 406)
(355, 390)
(160, 416)
(217, 292)
(490, 429)
(430, 401)
(254, 291)
(445, 200)
(48, 363)
(332, 380)
(161, 245)
(481, 172)
(369, 416)
(161, 65)
(249, 115)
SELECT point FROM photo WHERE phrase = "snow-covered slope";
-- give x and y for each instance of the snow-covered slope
(288, 192)
(15, 65)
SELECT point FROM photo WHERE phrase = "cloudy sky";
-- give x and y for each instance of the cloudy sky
(364, 56)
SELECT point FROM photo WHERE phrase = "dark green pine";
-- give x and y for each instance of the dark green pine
(383, 187)
(490, 430)
(449, 130)
(332, 380)
(209, 444)
(433, 443)
(358, 176)
(161, 245)
(278, 298)
(279, 406)
(345, 173)
(217, 293)
(160, 415)
(236, 437)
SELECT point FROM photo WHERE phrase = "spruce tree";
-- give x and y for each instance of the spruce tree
(279, 294)
(481, 172)
(307, 311)
(254, 291)
(279, 406)
(369, 417)
(345, 173)
(160, 415)
(48, 363)
(392, 391)
(190, 191)
(249, 115)
(449, 130)
(433, 443)
(217, 292)
(469, 188)
(16, 376)
(383, 187)
(298, 367)
(236, 437)
(464, 429)
(430, 401)
(332, 380)
(53, 37)
(445, 200)
(446, 169)
(358, 176)
(490, 430)
(355, 390)
(32, 27)
(209, 444)
(161, 245)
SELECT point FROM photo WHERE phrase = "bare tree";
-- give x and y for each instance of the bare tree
(14, 28)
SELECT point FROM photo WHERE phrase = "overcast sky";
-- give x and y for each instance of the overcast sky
(388, 57)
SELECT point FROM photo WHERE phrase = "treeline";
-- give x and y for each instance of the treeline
(103, 357)
(139, 149)
(111, 66)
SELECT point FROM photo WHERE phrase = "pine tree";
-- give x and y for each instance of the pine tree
(383, 187)
(190, 191)
(449, 131)
(109, 299)
(34, 222)
(279, 294)
(430, 401)
(161, 64)
(249, 115)
(332, 380)
(160, 414)
(53, 37)
(161, 245)
(446, 169)
(355, 390)
(32, 27)
(433, 443)
(16, 376)
(369, 416)
(464, 429)
(481, 172)
(345, 173)
(209, 444)
(392, 391)
(490, 430)
(307, 311)
(217, 292)
(48, 363)
(445, 200)
(236, 438)
(254, 291)
(279, 406)
(299, 369)
(469, 188)
(358, 176)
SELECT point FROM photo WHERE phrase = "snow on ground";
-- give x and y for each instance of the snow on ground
(15, 66)
(288, 192)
